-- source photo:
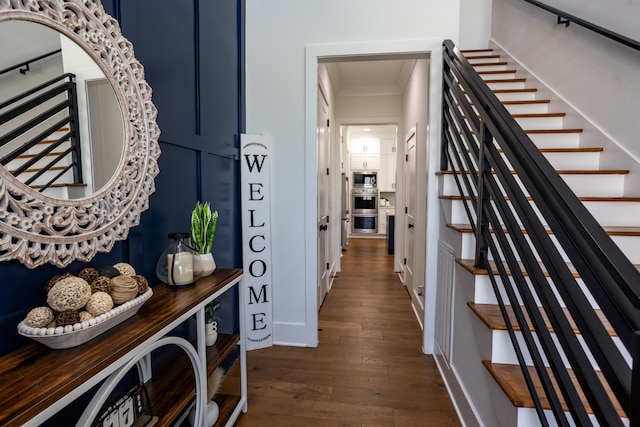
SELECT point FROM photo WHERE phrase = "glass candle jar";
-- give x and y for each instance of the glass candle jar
(175, 266)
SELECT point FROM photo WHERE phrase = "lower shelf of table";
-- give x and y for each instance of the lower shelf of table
(172, 388)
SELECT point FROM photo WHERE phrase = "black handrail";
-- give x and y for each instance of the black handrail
(483, 145)
(634, 44)
(26, 63)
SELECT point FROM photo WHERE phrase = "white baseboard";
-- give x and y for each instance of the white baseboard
(464, 410)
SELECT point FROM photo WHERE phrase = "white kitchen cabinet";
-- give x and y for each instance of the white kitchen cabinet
(387, 171)
(383, 214)
(364, 161)
(364, 146)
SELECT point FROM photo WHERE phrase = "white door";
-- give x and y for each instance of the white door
(410, 210)
(323, 197)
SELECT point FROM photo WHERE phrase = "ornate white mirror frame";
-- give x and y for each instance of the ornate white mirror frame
(37, 229)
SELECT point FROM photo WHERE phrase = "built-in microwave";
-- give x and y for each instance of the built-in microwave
(365, 179)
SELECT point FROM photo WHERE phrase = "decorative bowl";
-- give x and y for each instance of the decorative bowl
(75, 335)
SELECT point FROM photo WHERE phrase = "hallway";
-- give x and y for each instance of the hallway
(368, 369)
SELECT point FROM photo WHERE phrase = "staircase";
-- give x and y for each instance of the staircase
(39, 138)
(481, 354)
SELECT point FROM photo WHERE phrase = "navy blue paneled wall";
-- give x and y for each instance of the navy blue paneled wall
(192, 52)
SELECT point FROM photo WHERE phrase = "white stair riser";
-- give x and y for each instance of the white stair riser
(39, 164)
(473, 60)
(569, 160)
(494, 76)
(555, 140)
(502, 350)
(584, 185)
(483, 290)
(516, 96)
(573, 161)
(492, 67)
(612, 213)
(506, 85)
(537, 108)
(540, 122)
(528, 417)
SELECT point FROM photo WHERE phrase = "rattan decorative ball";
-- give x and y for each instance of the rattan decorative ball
(89, 274)
(71, 293)
(143, 285)
(70, 317)
(101, 284)
(123, 289)
(99, 303)
(85, 316)
(109, 271)
(54, 280)
(39, 317)
(125, 269)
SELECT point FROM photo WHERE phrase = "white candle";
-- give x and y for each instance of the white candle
(182, 268)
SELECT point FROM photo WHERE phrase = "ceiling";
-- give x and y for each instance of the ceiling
(367, 77)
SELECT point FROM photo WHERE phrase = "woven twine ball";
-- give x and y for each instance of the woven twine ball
(101, 284)
(99, 303)
(109, 271)
(39, 317)
(71, 293)
(143, 285)
(70, 317)
(89, 274)
(125, 269)
(54, 280)
(85, 316)
(123, 289)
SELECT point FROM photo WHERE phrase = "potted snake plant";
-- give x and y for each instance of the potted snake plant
(203, 228)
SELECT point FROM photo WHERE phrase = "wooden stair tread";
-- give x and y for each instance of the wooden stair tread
(465, 51)
(564, 150)
(30, 156)
(525, 90)
(494, 56)
(582, 199)
(559, 131)
(54, 168)
(485, 64)
(514, 80)
(537, 115)
(492, 317)
(612, 230)
(511, 381)
(530, 101)
(71, 184)
(497, 72)
(563, 172)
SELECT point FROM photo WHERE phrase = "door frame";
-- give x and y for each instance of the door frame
(313, 55)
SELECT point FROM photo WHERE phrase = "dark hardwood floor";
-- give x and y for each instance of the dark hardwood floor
(368, 369)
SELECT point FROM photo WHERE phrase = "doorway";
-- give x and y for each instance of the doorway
(428, 120)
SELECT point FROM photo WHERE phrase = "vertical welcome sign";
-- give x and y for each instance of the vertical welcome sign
(256, 239)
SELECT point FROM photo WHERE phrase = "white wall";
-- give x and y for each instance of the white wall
(596, 76)
(278, 35)
(475, 19)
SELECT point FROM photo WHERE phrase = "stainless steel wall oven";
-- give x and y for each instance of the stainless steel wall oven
(364, 210)
(364, 201)
(364, 223)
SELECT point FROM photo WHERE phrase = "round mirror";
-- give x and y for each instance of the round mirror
(113, 177)
(71, 135)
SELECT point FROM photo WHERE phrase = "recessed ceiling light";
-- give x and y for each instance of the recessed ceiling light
(366, 129)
